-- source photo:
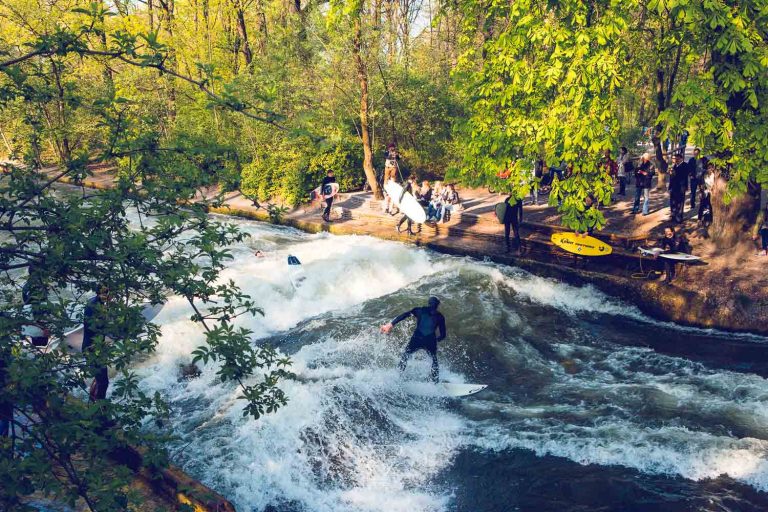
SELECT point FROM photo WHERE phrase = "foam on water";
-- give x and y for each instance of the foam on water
(351, 439)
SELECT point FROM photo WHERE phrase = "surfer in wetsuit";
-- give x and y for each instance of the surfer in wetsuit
(428, 320)
(669, 243)
(327, 191)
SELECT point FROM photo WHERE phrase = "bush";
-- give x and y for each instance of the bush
(345, 160)
(289, 174)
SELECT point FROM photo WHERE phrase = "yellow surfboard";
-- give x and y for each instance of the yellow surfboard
(582, 245)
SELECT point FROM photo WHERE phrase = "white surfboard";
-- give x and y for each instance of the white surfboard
(330, 191)
(442, 389)
(406, 202)
(655, 251)
(295, 271)
(74, 338)
(679, 256)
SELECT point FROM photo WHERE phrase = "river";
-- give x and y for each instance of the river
(590, 405)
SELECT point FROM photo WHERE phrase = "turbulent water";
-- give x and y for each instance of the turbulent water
(590, 405)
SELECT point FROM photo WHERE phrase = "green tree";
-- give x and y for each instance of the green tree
(145, 239)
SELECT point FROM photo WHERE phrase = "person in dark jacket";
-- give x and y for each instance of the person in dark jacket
(670, 243)
(760, 230)
(329, 178)
(696, 169)
(513, 216)
(678, 183)
(428, 321)
(643, 181)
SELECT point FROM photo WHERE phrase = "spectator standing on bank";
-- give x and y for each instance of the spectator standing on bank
(513, 216)
(669, 243)
(761, 230)
(678, 183)
(643, 180)
(706, 183)
(696, 170)
(623, 164)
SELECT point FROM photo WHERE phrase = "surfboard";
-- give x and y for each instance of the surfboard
(501, 210)
(327, 192)
(406, 202)
(295, 271)
(582, 245)
(74, 338)
(679, 256)
(442, 389)
(653, 251)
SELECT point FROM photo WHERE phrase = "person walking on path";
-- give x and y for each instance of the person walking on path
(391, 156)
(513, 216)
(325, 189)
(643, 180)
(428, 321)
(410, 187)
(678, 183)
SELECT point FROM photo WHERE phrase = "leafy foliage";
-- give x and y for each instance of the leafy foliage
(145, 239)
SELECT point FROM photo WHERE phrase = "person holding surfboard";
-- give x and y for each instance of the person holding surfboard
(391, 156)
(329, 178)
(428, 321)
(411, 187)
(669, 243)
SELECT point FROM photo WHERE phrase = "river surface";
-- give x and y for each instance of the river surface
(590, 405)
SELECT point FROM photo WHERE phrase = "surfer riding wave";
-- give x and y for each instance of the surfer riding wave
(428, 320)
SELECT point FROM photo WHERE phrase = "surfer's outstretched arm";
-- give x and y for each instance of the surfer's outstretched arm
(388, 327)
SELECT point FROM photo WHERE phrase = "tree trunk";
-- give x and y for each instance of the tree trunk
(362, 73)
(243, 33)
(731, 221)
(169, 10)
(64, 149)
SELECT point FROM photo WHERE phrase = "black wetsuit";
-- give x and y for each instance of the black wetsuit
(428, 320)
(328, 202)
(669, 245)
(513, 216)
(93, 326)
(678, 183)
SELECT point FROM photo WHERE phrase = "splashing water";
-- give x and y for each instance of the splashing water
(569, 370)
